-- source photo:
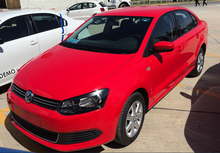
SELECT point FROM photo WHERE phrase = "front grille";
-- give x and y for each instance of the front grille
(18, 91)
(35, 130)
(37, 100)
(58, 138)
(82, 136)
(73, 138)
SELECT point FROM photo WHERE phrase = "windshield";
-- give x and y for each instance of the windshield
(102, 4)
(110, 34)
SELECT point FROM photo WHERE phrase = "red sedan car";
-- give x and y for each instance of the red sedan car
(97, 85)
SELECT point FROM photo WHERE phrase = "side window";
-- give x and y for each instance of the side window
(84, 6)
(45, 22)
(15, 28)
(102, 4)
(76, 7)
(91, 5)
(194, 20)
(185, 21)
(164, 30)
(65, 23)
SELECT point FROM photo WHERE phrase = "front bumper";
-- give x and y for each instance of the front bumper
(64, 133)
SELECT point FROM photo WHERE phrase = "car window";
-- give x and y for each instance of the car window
(194, 20)
(102, 4)
(84, 5)
(93, 29)
(76, 7)
(164, 30)
(91, 5)
(15, 28)
(110, 34)
(45, 22)
(185, 21)
(65, 23)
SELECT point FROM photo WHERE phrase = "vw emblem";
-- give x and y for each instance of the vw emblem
(29, 96)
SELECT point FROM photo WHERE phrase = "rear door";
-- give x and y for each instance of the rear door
(49, 31)
(94, 9)
(20, 45)
(87, 12)
(190, 35)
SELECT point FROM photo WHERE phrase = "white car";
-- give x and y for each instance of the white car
(85, 10)
(117, 3)
(25, 34)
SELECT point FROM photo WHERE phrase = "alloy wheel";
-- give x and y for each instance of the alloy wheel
(134, 119)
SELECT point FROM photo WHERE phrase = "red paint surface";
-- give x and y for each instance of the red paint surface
(63, 73)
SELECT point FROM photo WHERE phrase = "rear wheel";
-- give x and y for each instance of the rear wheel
(123, 5)
(131, 119)
(199, 64)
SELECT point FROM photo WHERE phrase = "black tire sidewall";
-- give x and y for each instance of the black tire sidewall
(123, 138)
(194, 72)
(123, 5)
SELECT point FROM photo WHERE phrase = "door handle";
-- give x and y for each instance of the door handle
(33, 42)
(197, 35)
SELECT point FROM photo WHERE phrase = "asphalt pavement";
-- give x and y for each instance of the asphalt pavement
(187, 119)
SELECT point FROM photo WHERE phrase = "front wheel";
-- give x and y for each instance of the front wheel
(131, 119)
(199, 64)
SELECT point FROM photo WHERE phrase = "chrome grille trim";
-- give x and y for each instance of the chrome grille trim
(19, 92)
(37, 100)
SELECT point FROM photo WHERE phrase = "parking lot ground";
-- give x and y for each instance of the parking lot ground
(8, 150)
(185, 120)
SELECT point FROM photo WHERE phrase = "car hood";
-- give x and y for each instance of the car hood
(63, 73)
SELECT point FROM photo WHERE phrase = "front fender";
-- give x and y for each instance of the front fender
(122, 83)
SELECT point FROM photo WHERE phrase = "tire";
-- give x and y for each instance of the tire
(199, 64)
(123, 5)
(131, 118)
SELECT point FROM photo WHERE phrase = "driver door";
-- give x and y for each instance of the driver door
(164, 64)
(75, 11)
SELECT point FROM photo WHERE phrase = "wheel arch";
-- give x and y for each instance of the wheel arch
(204, 47)
(144, 93)
(123, 136)
(123, 3)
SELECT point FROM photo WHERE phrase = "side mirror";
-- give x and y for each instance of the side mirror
(163, 46)
(1, 41)
(68, 9)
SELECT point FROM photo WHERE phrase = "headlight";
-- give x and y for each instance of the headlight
(85, 103)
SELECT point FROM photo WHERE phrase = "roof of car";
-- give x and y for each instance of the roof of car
(4, 15)
(149, 11)
(89, 2)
